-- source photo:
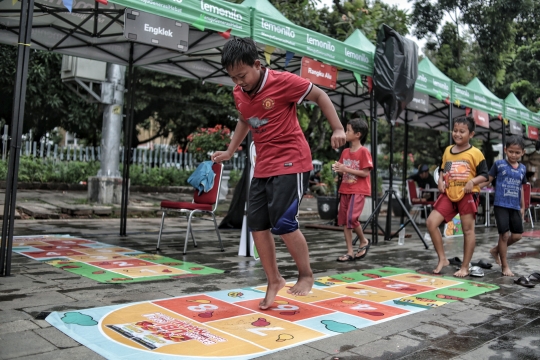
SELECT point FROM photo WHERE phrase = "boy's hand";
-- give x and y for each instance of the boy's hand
(338, 138)
(220, 156)
(338, 167)
(522, 213)
(468, 187)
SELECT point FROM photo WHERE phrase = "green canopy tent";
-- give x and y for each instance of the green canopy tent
(517, 112)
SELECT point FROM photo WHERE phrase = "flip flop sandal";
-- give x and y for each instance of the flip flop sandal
(534, 277)
(476, 271)
(523, 281)
(483, 264)
(455, 261)
(348, 258)
(363, 248)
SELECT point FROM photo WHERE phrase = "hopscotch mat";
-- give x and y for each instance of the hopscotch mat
(103, 262)
(228, 323)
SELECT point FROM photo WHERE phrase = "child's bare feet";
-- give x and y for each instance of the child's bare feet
(271, 292)
(302, 287)
(462, 272)
(442, 263)
(495, 253)
(506, 271)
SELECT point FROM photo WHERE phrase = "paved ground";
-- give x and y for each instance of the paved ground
(503, 324)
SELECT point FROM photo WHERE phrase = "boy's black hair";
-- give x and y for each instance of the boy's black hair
(361, 126)
(515, 140)
(239, 51)
(467, 120)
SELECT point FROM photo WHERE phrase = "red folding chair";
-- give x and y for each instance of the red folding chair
(206, 204)
(417, 203)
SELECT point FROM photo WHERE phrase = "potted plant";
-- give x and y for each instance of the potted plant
(327, 206)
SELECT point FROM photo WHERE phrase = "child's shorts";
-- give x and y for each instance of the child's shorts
(508, 220)
(448, 209)
(274, 202)
(350, 209)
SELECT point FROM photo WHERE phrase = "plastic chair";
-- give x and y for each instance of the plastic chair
(206, 203)
(527, 201)
(415, 200)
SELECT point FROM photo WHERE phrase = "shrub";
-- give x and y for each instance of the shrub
(206, 140)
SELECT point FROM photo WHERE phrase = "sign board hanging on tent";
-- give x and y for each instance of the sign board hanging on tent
(515, 127)
(155, 30)
(319, 73)
(481, 118)
(532, 132)
(420, 102)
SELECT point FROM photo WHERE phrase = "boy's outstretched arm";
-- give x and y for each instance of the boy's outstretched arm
(486, 183)
(323, 101)
(240, 133)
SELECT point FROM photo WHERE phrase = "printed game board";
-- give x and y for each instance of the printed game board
(229, 325)
(103, 262)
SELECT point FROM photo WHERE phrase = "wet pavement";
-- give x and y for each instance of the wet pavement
(502, 324)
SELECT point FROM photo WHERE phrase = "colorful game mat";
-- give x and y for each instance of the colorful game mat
(103, 262)
(228, 324)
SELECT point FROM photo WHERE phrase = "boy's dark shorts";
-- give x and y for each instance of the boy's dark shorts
(508, 220)
(274, 202)
(448, 209)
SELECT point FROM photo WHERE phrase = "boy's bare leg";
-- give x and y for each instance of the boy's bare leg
(267, 252)
(505, 241)
(348, 242)
(296, 243)
(434, 220)
(362, 238)
(469, 242)
(495, 251)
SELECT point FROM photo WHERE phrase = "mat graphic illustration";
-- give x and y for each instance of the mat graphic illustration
(229, 325)
(103, 262)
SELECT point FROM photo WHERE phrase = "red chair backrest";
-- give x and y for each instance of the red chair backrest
(411, 186)
(212, 196)
(527, 195)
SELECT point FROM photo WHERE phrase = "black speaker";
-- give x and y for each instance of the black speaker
(396, 70)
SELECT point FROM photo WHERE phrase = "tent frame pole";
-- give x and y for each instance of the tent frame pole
(19, 99)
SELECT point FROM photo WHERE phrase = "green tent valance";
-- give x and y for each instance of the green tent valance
(215, 15)
(476, 96)
(432, 81)
(288, 36)
(515, 110)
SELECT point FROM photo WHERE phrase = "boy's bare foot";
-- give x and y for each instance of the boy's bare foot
(495, 253)
(302, 287)
(506, 271)
(462, 272)
(271, 292)
(440, 265)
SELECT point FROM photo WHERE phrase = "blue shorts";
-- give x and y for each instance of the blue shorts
(274, 202)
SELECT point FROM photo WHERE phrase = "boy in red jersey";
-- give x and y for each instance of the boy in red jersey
(266, 101)
(355, 164)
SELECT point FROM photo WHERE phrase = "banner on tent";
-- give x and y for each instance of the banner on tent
(319, 73)
(515, 127)
(532, 132)
(481, 118)
(420, 102)
(155, 30)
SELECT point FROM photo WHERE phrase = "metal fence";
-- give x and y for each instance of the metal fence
(163, 156)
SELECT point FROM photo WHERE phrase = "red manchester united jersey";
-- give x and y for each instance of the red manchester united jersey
(271, 116)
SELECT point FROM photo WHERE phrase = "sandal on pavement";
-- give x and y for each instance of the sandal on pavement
(483, 264)
(476, 271)
(523, 281)
(361, 249)
(347, 258)
(534, 277)
(455, 261)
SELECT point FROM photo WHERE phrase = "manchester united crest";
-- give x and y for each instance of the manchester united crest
(268, 103)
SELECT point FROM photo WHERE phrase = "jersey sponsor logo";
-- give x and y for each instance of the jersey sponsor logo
(268, 103)
(288, 164)
(256, 123)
